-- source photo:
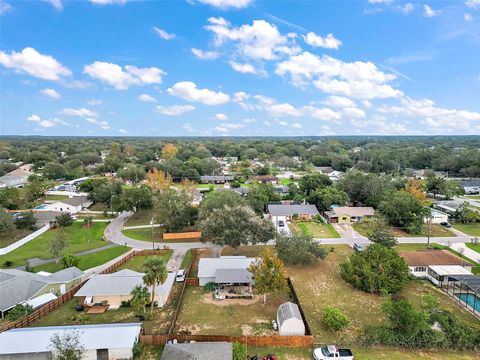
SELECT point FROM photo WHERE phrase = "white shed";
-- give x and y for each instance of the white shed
(290, 320)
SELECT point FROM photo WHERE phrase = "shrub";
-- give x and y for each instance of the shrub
(69, 260)
(239, 351)
(64, 220)
(298, 249)
(18, 311)
(208, 287)
(125, 304)
(8, 263)
(334, 319)
(137, 350)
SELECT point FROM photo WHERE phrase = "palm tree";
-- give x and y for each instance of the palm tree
(140, 297)
(155, 275)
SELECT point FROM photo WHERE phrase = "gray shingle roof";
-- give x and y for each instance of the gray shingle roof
(289, 210)
(238, 276)
(75, 201)
(207, 267)
(287, 311)
(216, 178)
(67, 275)
(198, 351)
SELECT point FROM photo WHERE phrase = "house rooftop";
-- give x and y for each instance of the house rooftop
(431, 257)
(443, 270)
(208, 267)
(290, 210)
(75, 200)
(353, 211)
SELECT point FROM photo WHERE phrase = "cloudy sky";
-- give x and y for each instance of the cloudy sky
(239, 67)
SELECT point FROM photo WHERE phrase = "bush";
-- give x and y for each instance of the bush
(239, 351)
(8, 263)
(334, 319)
(69, 260)
(298, 249)
(137, 350)
(64, 220)
(125, 304)
(208, 287)
(18, 311)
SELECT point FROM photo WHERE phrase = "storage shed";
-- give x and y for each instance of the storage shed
(289, 320)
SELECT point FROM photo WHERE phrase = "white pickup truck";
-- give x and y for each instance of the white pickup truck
(332, 352)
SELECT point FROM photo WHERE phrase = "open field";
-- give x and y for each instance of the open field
(437, 231)
(314, 229)
(200, 314)
(90, 260)
(469, 229)
(13, 236)
(80, 238)
(137, 262)
(142, 217)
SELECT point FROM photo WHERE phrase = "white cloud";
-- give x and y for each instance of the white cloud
(30, 61)
(356, 79)
(122, 78)
(5, 7)
(249, 120)
(240, 96)
(259, 41)
(286, 109)
(187, 127)
(57, 4)
(467, 17)
(267, 123)
(328, 42)
(246, 68)
(227, 127)
(174, 110)
(227, 4)
(406, 8)
(472, 3)
(146, 98)
(221, 117)
(205, 55)
(108, 2)
(46, 123)
(188, 90)
(339, 101)
(163, 34)
(122, 131)
(94, 102)
(296, 125)
(82, 112)
(51, 93)
(429, 12)
(353, 112)
(102, 124)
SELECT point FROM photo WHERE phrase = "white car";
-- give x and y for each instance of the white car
(180, 277)
(332, 351)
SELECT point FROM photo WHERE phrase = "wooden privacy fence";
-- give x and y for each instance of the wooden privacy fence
(179, 304)
(296, 301)
(192, 281)
(182, 235)
(123, 260)
(256, 341)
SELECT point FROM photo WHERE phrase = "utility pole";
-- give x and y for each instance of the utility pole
(429, 222)
(153, 240)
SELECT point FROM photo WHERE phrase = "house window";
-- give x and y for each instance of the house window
(344, 218)
(420, 269)
(102, 354)
(433, 274)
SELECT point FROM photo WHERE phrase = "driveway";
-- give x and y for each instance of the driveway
(347, 231)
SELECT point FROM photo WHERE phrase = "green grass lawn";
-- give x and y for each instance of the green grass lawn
(314, 229)
(80, 238)
(365, 228)
(13, 236)
(286, 182)
(474, 247)
(472, 229)
(99, 207)
(142, 217)
(145, 234)
(90, 260)
(137, 262)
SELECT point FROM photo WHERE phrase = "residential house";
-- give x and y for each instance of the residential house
(216, 179)
(349, 214)
(281, 189)
(424, 173)
(471, 187)
(436, 217)
(289, 320)
(266, 179)
(333, 175)
(436, 265)
(198, 351)
(113, 289)
(18, 286)
(47, 218)
(225, 270)
(448, 206)
(71, 205)
(13, 181)
(242, 191)
(286, 212)
(99, 342)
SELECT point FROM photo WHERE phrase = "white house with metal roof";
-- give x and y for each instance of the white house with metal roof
(99, 342)
(289, 320)
(114, 288)
(285, 212)
(225, 270)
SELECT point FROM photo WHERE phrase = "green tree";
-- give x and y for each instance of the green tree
(174, 210)
(334, 319)
(260, 195)
(135, 199)
(6, 222)
(26, 221)
(376, 269)
(434, 184)
(311, 182)
(402, 209)
(452, 188)
(66, 346)
(140, 298)
(382, 234)
(133, 173)
(57, 244)
(236, 225)
(298, 249)
(466, 215)
(325, 197)
(54, 171)
(69, 260)
(218, 200)
(155, 274)
(268, 273)
(64, 220)
(10, 198)
(19, 311)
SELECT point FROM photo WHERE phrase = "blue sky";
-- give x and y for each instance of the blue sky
(239, 67)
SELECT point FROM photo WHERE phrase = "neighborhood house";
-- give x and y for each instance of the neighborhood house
(100, 342)
(436, 265)
(71, 205)
(216, 179)
(436, 217)
(225, 270)
(286, 212)
(111, 290)
(349, 214)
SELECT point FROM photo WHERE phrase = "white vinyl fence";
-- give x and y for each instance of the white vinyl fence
(23, 241)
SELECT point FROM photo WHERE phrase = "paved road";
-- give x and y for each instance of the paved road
(401, 240)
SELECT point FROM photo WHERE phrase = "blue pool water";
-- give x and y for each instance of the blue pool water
(40, 207)
(470, 299)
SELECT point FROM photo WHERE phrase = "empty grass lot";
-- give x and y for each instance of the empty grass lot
(142, 217)
(137, 263)
(13, 236)
(472, 229)
(145, 234)
(437, 231)
(80, 238)
(314, 229)
(474, 247)
(90, 260)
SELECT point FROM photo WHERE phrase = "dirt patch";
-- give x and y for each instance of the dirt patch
(208, 299)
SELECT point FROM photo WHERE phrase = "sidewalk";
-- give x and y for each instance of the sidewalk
(464, 250)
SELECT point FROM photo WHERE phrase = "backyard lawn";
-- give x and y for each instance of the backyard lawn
(145, 234)
(314, 229)
(89, 261)
(474, 247)
(437, 231)
(200, 314)
(137, 262)
(469, 229)
(80, 238)
(13, 236)
(142, 217)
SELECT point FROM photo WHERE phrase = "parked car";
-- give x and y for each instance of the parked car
(332, 351)
(180, 277)
(281, 223)
(446, 224)
(357, 247)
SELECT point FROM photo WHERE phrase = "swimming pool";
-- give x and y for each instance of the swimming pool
(470, 299)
